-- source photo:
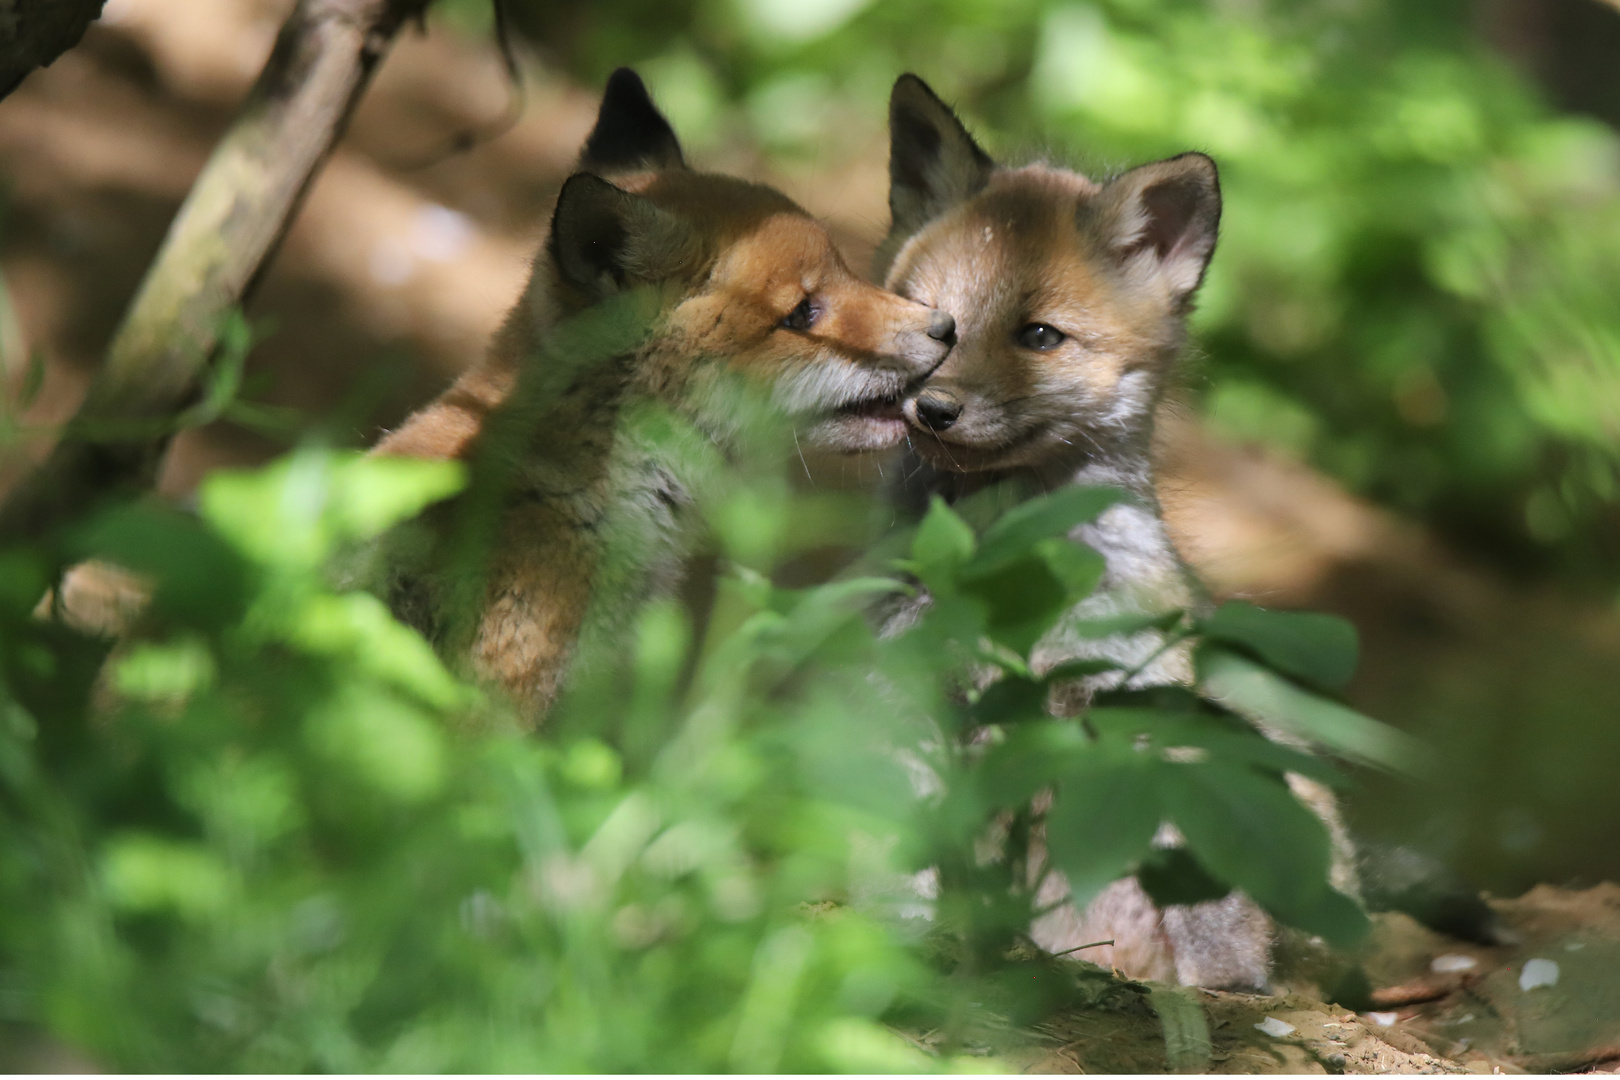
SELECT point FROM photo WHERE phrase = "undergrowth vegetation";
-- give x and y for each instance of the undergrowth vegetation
(269, 830)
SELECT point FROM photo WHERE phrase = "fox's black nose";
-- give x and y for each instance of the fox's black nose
(942, 327)
(937, 410)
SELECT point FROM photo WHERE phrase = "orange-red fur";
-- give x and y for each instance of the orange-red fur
(589, 522)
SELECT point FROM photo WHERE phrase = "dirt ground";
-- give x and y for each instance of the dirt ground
(1548, 1002)
(403, 261)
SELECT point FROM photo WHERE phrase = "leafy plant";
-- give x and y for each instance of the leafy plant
(275, 833)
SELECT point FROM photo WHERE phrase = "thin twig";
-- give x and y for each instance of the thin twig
(1077, 948)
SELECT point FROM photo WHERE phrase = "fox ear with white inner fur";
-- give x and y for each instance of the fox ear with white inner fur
(1161, 220)
(630, 133)
(604, 240)
(934, 163)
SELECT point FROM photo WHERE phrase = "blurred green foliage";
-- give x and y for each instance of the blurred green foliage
(1414, 287)
(269, 830)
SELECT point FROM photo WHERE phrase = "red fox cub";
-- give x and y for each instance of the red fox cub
(1071, 298)
(736, 283)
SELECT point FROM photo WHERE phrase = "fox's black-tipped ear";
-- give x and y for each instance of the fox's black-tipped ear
(1161, 221)
(604, 240)
(933, 161)
(630, 132)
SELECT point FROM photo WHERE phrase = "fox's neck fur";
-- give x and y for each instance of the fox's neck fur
(1144, 573)
(574, 516)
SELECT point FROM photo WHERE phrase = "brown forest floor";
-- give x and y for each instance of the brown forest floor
(1477, 1013)
(396, 272)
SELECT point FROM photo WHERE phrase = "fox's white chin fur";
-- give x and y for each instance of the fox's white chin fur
(842, 406)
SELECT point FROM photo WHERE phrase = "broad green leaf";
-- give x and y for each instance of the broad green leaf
(392, 747)
(23, 581)
(376, 491)
(942, 544)
(1222, 737)
(150, 671)
(1128, 623)
(1017, 532)
(358, 628)
(1032, 756)
(1319, 649)
(1023, 599)
(198, 579)
(1011, 699)
(1329, 913)
(1077, 566)
(1173, 876)
(1248, 829)
(1261, 695)
(1104, 813)
(295, 512)
(149, 873)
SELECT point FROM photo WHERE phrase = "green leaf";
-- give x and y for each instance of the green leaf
(1011, 699)
(357, 627)
(1180, 1010)
(33, 380)
(295, 512)
(1318, 649)
(198, 579)
(1173, 876)
(1104, 813)
(1077, 566)
(1226, 738)
(1017, 532)
(1023, 599)
(1261, 695)
(149, 873)
(1032, 756)
(942, 544)
(373, 492)
(1128, 623)
(392, 747)
(1248, 829)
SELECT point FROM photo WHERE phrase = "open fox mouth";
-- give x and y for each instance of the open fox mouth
(876, 408)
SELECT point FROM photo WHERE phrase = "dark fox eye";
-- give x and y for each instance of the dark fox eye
(1037, 335)
(802, 317)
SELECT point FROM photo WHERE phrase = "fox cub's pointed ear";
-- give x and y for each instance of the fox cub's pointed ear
(933, 161)
(1161, 220)
(604, 240)
(630, 132)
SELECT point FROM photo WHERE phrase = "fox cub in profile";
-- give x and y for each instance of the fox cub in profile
(590, 518)
(1071, 298)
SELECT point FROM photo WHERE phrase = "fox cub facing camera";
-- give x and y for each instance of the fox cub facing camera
(735, 283)
(1071, 298)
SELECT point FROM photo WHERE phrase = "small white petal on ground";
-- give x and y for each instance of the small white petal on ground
(1538, 972)
(1274, 1027)
(1453, 962)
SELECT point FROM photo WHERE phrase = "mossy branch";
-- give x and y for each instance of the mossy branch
(217, 248)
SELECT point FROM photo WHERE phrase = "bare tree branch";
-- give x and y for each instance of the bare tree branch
(35, 32)
(217, 248)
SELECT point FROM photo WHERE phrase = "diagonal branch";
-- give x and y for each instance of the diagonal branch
(216, 250)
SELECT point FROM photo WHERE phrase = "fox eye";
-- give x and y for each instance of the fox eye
(802, 317)
(1039, 336)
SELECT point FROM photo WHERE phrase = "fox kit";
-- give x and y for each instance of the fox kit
(1071, 299)
(592, 519)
